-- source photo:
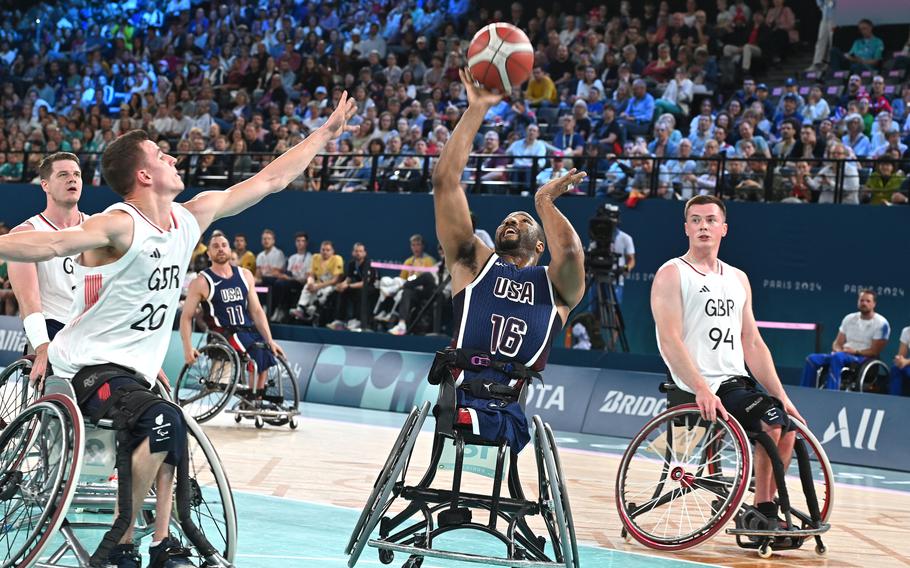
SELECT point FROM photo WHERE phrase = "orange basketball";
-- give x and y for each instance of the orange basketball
(501, 57)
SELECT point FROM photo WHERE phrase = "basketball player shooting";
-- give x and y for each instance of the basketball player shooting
(128, 282)
(503, 302)
(706, 334)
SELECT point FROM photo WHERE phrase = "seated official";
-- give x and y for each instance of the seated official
(900, 370)
(862, 336)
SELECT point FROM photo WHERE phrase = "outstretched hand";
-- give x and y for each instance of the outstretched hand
(477, 95)
(337, 123)
(557, 186)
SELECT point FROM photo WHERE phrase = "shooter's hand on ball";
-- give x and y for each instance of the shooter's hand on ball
(557, 186)
(477, 95)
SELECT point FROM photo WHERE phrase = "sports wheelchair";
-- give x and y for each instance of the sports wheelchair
(56, 485)
(871, 375)
(220, 372)
(442, 510)
(682, 479)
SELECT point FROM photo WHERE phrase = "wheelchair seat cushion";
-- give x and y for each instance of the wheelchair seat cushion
(750, 406)
(494, 420)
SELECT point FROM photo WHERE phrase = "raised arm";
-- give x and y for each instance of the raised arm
(113, 229)
(258, 314)
(453, 218)
(567, 264)
(667, 308)
(758, 356)
(212, 205)
(196, 291)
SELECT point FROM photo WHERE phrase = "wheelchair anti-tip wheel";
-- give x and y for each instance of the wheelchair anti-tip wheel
(40, 461)
(554, 496)
(15, 391)
(205, 387)
(281, 394)
(395, 467)
(682, 478)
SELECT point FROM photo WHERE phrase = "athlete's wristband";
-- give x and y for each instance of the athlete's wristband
(36, 329)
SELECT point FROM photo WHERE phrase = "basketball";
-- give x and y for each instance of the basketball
(501, 57)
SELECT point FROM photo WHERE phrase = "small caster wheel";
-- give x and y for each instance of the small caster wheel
(238, 418)
(386, 556)
(764, 551)
(294, 424)
(821, 549)
(258, 422)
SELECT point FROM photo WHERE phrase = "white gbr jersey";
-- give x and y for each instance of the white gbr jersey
(123, 311)
(56, 278)
(712, 322)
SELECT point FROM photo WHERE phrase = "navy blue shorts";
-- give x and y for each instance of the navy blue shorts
(161, 423)
(496, 420)
(750, 406)
(242, 340)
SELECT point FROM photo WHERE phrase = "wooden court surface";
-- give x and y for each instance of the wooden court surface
(336, 463)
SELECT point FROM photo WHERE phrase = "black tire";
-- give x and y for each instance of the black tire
(40, 461)
(15, 392)
(554, 500)
(281, 385)
(205, 387)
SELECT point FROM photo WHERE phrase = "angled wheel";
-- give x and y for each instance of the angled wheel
(211, 501)
(553, 494)
(682, 478)
(395, 467)
(40, 461)
(815, 488)
(205, 387)
(281, 392)
(15, 391)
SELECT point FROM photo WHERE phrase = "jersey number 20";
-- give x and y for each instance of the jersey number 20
(507, 335)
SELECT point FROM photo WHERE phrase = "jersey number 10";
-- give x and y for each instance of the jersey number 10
(507, 335)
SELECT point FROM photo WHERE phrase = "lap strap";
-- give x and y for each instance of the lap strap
(474, 360)
(126, 404)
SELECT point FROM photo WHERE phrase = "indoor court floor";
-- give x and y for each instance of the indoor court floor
(299, 493)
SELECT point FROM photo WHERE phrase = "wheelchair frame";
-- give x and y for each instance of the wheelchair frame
(219, 350)
(725, 491)
(453, 507)
(856, 378)
(85, 493)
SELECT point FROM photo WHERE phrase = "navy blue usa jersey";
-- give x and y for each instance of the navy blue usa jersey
(509, 312)
(226, 305)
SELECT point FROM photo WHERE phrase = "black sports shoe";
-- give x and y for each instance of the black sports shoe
(125, 556)
(170, 554)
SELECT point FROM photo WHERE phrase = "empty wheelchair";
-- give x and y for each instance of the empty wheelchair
(682, 479)
(872, 375)
(56, 490)
(222, 372)
(425, 513)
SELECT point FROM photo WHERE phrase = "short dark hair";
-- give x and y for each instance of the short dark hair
(866, 21)
(869, 291)
(299, 234)
(241, 235)
(705, 200)
(121, 159)
(47, 163)
(269, 231)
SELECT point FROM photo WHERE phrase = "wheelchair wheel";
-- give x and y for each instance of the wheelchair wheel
(15, 391)
(40, 461)
(205, 387)
(821, 476)
(211, 501)
(281, 393)
(682, 478)
(872, 376)
(552, 487)
(395, 467)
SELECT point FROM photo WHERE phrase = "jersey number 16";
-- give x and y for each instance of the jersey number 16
(507, 335)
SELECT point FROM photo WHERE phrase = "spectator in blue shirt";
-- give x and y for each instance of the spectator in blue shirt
(789, 112)
(530, 145)
(639, 112)
(855, 138)
(864, 55)
(568, 139)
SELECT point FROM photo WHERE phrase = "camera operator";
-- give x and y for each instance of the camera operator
(621, 247)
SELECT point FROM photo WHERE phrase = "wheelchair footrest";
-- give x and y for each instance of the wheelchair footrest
(822, 529)
(463, 557)
(450, 517)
